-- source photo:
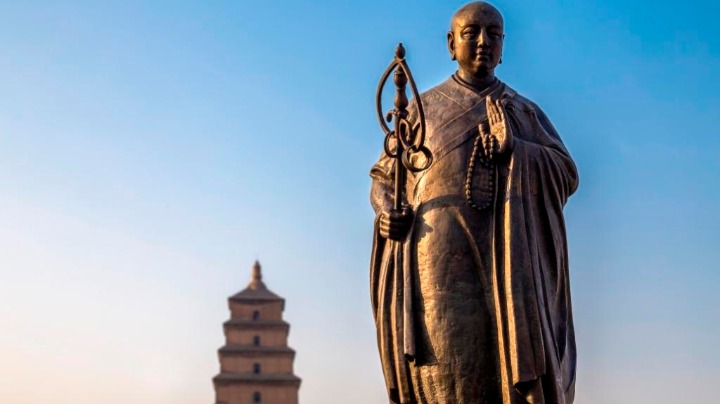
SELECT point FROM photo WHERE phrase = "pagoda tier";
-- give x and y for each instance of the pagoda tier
(256, 364)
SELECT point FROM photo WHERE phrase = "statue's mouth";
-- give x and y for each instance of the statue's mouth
(483, 50)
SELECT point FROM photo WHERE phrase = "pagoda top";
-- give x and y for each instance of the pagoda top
(256, 289)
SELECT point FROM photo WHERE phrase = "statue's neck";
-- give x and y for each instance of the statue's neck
(478, 83)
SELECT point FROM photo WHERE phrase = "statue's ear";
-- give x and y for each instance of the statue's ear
(451, 44)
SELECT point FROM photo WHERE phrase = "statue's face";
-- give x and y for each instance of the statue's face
(476, 39)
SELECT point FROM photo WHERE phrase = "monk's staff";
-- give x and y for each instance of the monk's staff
(408, 139)
(406, 144)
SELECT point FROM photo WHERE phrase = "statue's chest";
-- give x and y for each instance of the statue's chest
(459, 168)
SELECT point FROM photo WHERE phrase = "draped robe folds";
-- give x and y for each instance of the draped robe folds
(480, 310)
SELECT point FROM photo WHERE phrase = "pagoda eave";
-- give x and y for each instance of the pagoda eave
(255, 351)
(256, 324)
(233, 378)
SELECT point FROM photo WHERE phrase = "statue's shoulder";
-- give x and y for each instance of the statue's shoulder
(522, 103)
(437, 100)
(441, 93)
(529, 110)
(447, 98)
(519, 101)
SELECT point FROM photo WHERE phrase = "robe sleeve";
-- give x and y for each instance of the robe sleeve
(389, 285)
(381, 190)
(534, 260)
(543, 141)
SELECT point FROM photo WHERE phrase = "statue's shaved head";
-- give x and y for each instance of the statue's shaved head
(476, 7)
(475, 41)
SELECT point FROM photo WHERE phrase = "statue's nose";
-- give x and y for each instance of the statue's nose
(483, 38)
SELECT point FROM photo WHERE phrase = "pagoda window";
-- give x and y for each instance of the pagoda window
(256, 368)
(256, 340)
(257, 397)
(256, 315)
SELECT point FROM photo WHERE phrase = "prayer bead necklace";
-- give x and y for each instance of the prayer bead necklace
(471, 167)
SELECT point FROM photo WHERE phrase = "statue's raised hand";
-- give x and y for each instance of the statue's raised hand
(499, 139)
(394, 225)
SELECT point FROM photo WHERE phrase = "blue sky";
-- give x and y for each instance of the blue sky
(150, 152)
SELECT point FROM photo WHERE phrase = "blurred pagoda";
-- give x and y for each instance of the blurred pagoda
(256, 364)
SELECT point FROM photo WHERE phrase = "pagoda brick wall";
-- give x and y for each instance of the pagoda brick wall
(268, 310)
(246, 337)
(270, 394)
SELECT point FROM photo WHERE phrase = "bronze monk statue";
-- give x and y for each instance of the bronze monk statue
(485, 317)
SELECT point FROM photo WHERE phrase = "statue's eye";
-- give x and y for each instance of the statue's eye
(469, 33)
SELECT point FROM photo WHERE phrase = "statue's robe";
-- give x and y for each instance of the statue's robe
(480, 310)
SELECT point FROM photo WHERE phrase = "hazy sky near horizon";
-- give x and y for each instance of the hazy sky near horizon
(151, 151)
